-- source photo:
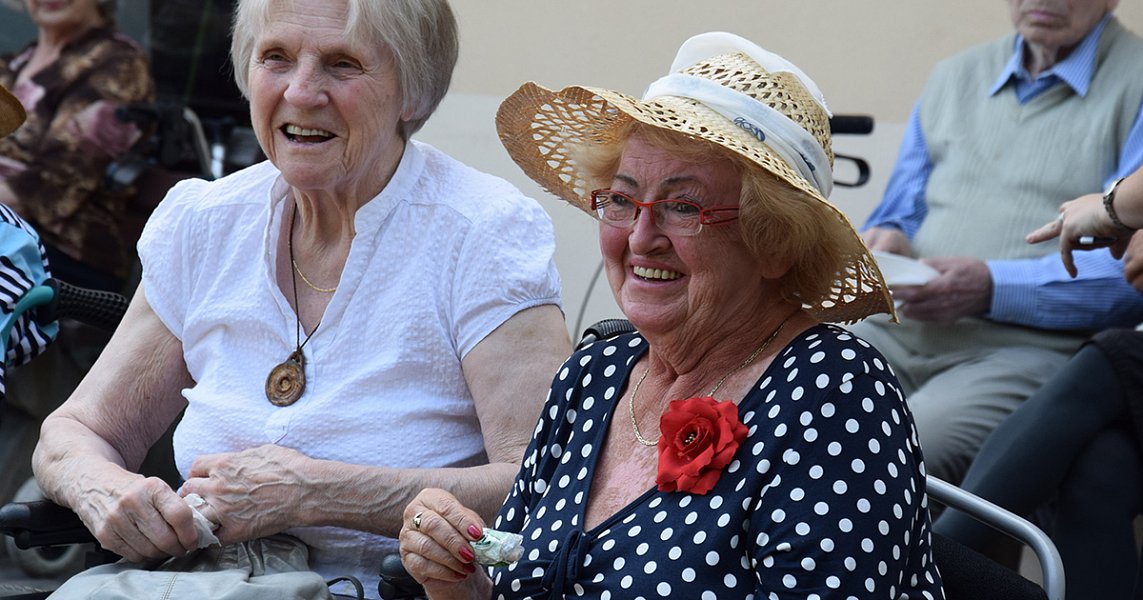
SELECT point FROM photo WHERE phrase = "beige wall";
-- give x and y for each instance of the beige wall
(868, 56)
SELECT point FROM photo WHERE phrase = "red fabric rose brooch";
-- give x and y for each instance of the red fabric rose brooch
(700, 437)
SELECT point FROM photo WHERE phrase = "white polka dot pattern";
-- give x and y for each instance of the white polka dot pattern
(824, 498)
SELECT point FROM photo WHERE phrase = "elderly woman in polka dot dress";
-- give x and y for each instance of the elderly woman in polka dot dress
(736, 446)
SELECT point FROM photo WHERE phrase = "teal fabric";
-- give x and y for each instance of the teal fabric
(23, 267)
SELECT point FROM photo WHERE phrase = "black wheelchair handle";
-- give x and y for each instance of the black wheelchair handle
(42, 523)
(396, 583)
(851, 125)
(604, 329)
(97, 308)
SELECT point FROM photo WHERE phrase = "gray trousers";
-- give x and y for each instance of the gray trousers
(961, 381)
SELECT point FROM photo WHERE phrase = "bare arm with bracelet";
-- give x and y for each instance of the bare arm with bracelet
(1097, 220)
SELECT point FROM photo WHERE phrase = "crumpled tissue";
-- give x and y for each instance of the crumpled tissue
(203, 525)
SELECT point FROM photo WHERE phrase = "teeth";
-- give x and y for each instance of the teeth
(646, 273)
(295, 130)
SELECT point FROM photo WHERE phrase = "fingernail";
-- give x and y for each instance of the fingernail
(469, 568)
(475, 531)
(466, 553)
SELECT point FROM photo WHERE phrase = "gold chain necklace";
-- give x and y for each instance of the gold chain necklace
(749, 359)
(307, 279)
(287, 381)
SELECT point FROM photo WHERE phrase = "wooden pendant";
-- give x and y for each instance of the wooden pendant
(287, 381)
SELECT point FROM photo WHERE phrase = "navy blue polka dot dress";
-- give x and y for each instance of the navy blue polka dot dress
(824, 499)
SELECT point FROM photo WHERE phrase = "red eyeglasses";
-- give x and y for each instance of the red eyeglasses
(680, 217)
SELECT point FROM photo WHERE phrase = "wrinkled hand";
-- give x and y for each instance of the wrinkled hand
(249, 494)
(437, 553)
(963, 289)
(140, 520)
(888, 239)
(1084, 216)
(1133, 261)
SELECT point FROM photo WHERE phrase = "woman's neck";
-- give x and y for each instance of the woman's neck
(324, 221)
(55, 39)
(710, 353)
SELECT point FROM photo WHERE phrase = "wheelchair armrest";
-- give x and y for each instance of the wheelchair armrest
(970, 574)
(42, 523)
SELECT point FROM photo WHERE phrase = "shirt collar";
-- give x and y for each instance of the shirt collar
(1076, 70)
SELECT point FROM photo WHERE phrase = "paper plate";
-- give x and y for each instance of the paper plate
(902, 270)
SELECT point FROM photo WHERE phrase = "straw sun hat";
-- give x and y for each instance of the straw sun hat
(11, 112)
(723, 89)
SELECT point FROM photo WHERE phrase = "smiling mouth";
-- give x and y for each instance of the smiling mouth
(657, 274)
(306, 136)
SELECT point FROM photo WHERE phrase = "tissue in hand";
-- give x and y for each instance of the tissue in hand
(205, 528)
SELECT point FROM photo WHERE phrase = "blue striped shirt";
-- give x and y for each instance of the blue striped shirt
(1033, 292)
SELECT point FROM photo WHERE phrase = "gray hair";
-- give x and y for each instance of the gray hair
(422, 35)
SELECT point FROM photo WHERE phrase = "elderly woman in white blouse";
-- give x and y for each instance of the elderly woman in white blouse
(356, 319)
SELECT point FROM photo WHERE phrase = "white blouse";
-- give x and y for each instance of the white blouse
(442, 256)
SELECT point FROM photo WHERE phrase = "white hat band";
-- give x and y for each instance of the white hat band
(707, 45)
(795, 145)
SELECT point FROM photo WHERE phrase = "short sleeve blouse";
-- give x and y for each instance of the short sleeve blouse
(441, 257)
(824, 499)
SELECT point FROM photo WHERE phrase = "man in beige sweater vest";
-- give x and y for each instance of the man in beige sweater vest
(1002, 134)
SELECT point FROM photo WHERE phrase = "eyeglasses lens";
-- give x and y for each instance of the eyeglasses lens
(673, 216)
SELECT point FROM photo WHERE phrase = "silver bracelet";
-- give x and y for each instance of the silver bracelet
(1108, 199)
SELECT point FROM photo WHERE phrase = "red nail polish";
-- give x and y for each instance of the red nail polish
(466, 553)
(469, 567)
(475, 532)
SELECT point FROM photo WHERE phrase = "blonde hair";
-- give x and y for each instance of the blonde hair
(779, 223)
(422, 36)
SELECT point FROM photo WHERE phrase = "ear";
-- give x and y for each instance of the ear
(408, 114)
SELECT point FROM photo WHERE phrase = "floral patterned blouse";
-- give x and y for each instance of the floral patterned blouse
(825, 497)
(55, 162)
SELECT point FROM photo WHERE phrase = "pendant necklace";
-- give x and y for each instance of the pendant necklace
(749, 359)
(287, 381)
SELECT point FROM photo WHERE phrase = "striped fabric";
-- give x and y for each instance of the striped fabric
(23, 265)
